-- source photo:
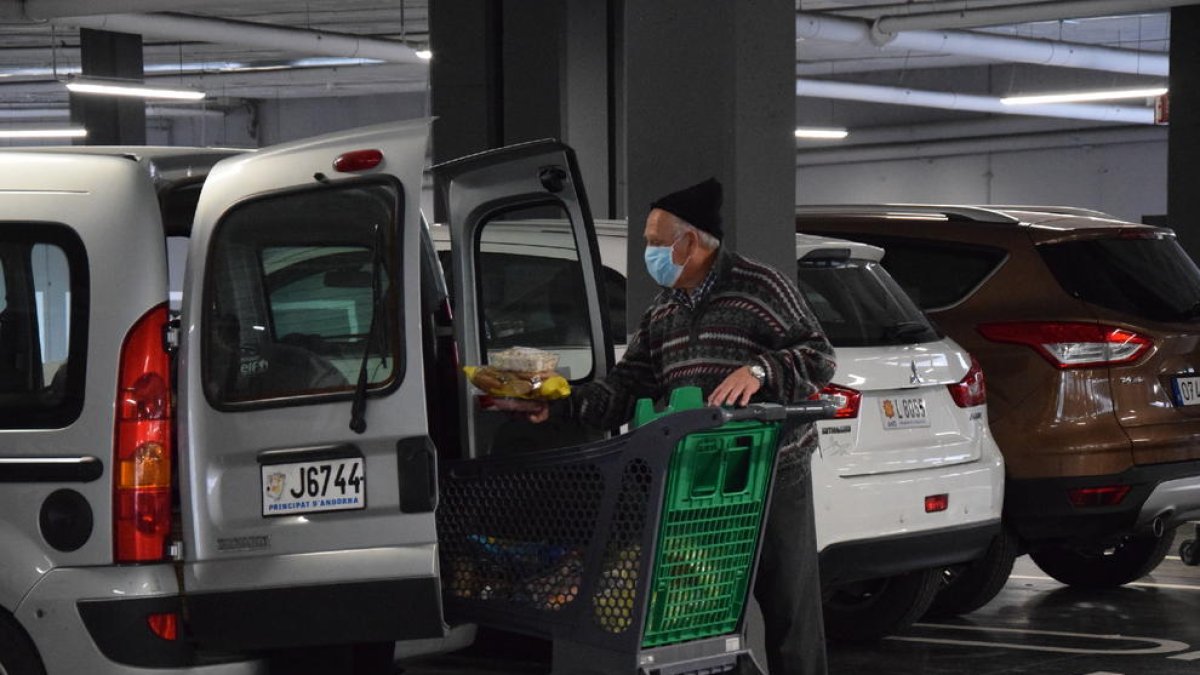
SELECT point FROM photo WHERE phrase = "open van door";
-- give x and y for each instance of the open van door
(526, 272)
(308, 480)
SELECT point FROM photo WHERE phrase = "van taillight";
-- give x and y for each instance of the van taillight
(846, 399)
(1072, 345)
(143, 452)
(971, 390)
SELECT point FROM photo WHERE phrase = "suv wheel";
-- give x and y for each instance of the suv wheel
(869, 610)
(17, 653)
(973, 585)
(1133, 559)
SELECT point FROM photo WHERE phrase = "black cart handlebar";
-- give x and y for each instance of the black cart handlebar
(809, 411)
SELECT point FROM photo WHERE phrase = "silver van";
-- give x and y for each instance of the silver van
(245, 474)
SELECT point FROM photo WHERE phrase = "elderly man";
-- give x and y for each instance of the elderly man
(740, 331)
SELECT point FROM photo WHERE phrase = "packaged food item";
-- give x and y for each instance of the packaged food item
(520, 372)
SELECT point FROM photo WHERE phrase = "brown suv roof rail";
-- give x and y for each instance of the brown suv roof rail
(1058, 210)
(974, 214)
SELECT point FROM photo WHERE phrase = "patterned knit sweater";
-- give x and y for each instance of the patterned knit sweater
(752, 314)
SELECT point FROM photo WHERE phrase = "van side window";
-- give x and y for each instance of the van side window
(299, 286)
(531, 288)
(614, 289)
(43, 325)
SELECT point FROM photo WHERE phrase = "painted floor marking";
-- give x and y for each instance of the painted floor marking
(1140, 584)
(1190, 656)
(1162, 646)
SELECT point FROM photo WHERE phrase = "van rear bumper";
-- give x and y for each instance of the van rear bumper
(1039, 508)
(276, 618)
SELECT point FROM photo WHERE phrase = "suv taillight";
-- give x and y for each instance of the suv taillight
(1072, 345)
(846, 399)
(142, 466)
(971, 390)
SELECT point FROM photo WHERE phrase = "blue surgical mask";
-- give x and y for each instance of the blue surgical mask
(661, 266)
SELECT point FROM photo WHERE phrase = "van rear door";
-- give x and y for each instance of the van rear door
(308, 477)
(526, 272)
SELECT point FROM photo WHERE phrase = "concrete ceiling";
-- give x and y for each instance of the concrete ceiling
(36, 52)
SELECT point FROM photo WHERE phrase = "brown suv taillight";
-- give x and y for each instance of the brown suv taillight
(142, 466)
(971, 390)
(1072, 345)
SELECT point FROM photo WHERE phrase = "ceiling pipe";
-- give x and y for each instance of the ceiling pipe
(1024, 13)
(984, 45)
(227, 31)
(60, 113)
(871, 93)
(38, 10)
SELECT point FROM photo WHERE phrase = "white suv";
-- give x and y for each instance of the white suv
(908, 483)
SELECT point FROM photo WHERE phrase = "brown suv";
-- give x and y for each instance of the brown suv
(1088, 329)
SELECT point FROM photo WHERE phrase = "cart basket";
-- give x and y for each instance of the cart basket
(647, 539)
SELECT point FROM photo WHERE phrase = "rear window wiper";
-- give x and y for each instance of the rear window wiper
(358, 406)
(906, 329)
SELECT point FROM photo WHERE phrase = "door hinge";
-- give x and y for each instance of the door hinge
(175, 551)
(171, 335)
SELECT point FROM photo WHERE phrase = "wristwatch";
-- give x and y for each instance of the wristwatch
(759, 373)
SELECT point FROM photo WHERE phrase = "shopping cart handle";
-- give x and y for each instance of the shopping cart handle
(809, 411)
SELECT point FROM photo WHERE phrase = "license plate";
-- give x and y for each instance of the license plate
(904, 412)
(1187, 390)
(313, 487)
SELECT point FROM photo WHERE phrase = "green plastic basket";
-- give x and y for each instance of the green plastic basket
(712, 518)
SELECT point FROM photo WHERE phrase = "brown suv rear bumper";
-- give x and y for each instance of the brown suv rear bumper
(1039, 509)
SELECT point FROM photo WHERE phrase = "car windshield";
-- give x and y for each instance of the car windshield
(860, 305)
(1147, 277)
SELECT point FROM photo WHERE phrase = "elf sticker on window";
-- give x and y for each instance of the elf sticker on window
(904, 413)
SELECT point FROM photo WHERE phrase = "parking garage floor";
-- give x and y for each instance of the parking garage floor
(1036, 626)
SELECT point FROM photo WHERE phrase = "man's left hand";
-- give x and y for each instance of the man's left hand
(736, 389)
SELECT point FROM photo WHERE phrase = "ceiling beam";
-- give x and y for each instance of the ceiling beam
(228, 31)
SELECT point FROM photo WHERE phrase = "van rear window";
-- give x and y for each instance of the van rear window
(300, 287)
(44, 295)
(859, 305)
(1148, 277)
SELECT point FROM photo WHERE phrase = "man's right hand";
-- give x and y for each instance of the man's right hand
(535, 411)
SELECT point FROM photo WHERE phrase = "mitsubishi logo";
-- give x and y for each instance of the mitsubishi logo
(915, 379)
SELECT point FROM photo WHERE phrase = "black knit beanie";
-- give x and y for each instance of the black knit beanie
(699, 205)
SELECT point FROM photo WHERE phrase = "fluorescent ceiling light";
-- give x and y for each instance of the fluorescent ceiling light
(132, 89)
(825, 133)
(424, 54)
(1080, 96)
(72, 132)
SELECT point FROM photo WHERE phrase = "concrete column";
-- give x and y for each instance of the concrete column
(110, 120)
(711, 93)
(465, 78)
(590, 95)
(1183, 139)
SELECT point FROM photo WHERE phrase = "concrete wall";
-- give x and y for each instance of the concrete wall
(1128, 180)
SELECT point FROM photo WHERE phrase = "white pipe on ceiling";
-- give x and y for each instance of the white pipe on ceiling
(904, 8)
(1024, 13)
(984, 45)
(871, 93)
(53, 9)
(226, 31)
(151, 111)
